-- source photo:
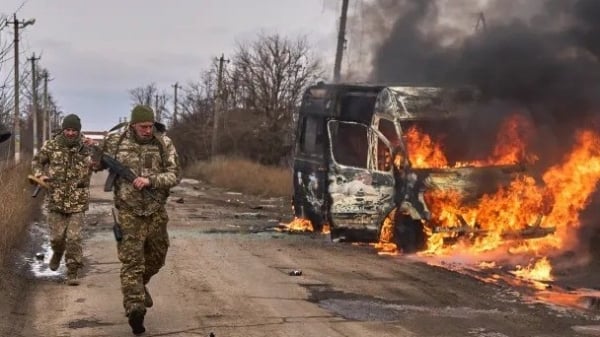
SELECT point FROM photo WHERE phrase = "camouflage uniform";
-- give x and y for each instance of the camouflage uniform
(143, 248)
(67, 163)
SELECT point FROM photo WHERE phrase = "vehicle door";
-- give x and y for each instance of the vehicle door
(360, 178)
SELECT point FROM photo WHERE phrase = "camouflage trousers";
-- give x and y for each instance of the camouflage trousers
(66, 236)
(142, 252)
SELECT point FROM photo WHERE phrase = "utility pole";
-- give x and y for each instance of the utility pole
(156, 111)
(55, 117)
(17, 115)
(175, 87)
(340, 43)
(480, 24)
(34, 109)
(46, 132)
(218, 106)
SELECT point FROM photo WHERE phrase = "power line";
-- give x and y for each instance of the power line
(4, 19)
(20, 7)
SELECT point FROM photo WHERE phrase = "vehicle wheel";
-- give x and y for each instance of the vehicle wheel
(409, 234)
(337, 235)
(316, 220)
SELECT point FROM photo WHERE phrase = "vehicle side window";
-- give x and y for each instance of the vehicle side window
(312, 135)
(389, 131)
(349, 143)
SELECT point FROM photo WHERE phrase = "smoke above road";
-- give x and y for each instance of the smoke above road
(540, 54)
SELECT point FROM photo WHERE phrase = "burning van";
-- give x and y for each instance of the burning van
(368, 166)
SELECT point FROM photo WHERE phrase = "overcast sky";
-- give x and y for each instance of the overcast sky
(96, 50)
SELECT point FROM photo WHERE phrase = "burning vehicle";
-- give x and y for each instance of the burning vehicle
(369, 166)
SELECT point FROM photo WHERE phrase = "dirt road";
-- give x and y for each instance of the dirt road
(228, 273)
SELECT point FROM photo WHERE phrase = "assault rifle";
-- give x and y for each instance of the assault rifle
(117, 169)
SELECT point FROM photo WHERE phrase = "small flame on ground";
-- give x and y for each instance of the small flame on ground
(299, 225)
(326, 229)
(386, 248)
(487, 265)
(539, 271)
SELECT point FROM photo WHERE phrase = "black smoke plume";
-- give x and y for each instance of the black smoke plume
(546, 61)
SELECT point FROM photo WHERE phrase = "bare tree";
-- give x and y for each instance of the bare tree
(150, 95)
(261, 91)
(268, 78)
(192, 132)
(270, 74)
(143, 95)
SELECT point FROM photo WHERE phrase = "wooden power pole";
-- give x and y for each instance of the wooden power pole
(47, 130)
(218, 106)
(17, 115)
(156, 111)
(341, 42)
(175, 87)
(34, 105)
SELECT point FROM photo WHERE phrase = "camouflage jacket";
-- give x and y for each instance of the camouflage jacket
(69, 170)
(156, 160)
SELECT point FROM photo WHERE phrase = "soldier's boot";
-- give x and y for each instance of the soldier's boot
(148, 302)
(136, 319)
(73, 277)
(55, 261)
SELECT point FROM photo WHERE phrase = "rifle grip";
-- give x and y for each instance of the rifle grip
(110, 181)
(36, 191)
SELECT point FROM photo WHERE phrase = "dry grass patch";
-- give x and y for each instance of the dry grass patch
(16, 204)
(244, 176)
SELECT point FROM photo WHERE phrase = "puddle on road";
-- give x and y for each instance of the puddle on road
(34, 258)
(87, 323)
(39, 267)
(365, 310)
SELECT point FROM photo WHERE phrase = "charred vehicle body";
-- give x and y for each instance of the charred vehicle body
(352, 166)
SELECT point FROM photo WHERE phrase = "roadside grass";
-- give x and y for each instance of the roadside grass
(16, 204)
(243, 175)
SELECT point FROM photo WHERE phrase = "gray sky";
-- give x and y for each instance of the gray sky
(98, 49)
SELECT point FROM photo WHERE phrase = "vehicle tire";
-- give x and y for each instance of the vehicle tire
(409, 234)
(316, 220)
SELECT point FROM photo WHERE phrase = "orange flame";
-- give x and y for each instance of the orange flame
(511, 142)
(305, 225)
(300, 225)
(539, 271)
(386, 245)
(548, 213)
(523, 204)
(423, 151)
(510, 147)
